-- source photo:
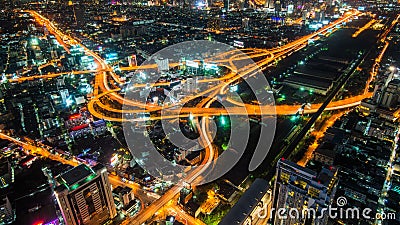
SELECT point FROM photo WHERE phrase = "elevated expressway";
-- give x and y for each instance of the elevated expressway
(102, 110)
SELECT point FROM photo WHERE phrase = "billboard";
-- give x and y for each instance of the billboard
(238, 44)
(290, 9)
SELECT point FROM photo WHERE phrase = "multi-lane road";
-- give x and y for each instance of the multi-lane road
(105, 73)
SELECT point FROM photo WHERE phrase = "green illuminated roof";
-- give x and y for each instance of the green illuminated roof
(77, 176)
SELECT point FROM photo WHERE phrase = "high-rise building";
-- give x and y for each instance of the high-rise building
(7, 215)
(226, 5)
(124, 195)
(304, 191)
(278, 4)
(269, 4)
(162, 64)
(6, 173)
(185, 195)
(79, 16)
(245, 23)
(84, 195)
(64, 95)
(191, 85)
(253, 207)
(214, 23)
(132, 60)
(390, 96)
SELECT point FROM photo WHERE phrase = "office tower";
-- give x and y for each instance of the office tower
(132, 60)
(162, 64)
(318, 16)
(79, 16)
(253, 206)
(6, 212)
(209, 3)
(245, 23)
(185, 195)
(304, 16)
(390, 96)
(214, 23)
(124, 195)
(305, 191)
(84, 195)
(245, 4)
(226, 5)
(278, 7)
(191, 85)
(391, 75)
(269, 4)
(64, 95)
(6, 173)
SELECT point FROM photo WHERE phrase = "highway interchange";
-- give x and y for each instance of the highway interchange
(104, 88)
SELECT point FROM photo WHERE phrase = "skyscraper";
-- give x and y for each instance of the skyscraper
(84, 195)
(226, 5)
(278, 4)
(162, 64)
(302, 190)
(191, 85)
(7, 215)
(390, 96)
(79, 16)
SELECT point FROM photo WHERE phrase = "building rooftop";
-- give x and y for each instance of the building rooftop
(327, 149)
(323, 75)
(295, 167)
(325, 176)
(326, 152)
(307, 81)
(246, 203)
(72, 177)
(122, 190)
(36, 208)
